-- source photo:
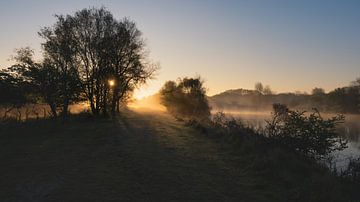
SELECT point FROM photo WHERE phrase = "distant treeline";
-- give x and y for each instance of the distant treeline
(340, 100)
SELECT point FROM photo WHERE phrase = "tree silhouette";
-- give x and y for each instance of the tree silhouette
(186, 99)
(49, 80)
(102, 49)
(61, 63)
(267, 90)
(13, 91)
(259, 87)
(82, 53)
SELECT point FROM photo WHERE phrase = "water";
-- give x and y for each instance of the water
(351, 131)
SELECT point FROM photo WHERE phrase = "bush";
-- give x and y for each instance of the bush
(231, 127)
(310, 134)
(186, 99)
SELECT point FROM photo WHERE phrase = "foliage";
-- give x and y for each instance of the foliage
(186, 99)
(345, 100)
(310, 134)
(13, 91)
(103, 49)
(60, 63)
(82, 53)
(48, 81)
(232, 127)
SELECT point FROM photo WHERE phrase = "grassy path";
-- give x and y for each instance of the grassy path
(175, 163)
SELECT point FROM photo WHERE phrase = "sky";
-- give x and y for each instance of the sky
(289, 45)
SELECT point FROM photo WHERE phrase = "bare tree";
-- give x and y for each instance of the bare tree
(259, 87)
(267, 90)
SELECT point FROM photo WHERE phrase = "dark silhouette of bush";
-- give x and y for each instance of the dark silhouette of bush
(310, 135)
(54, 84)
(186, 99)
(232, 127)
(13, 92)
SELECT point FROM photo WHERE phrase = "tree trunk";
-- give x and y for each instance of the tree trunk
(92, 105)
(117, 105)
(97, 103)
(114, 102)
(64, 112)
(105, 101)
(53, 110)
(7, 111)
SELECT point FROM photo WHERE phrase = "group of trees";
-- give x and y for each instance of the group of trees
(263, 90)
(340, 100)
(87, 56)
(343, 100)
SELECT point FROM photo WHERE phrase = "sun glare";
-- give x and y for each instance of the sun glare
(111, 83)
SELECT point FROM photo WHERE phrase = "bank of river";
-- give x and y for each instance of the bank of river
(350, 129)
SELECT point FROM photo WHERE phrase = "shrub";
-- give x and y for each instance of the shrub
(186, 99)
(231, 127)
(310, 134)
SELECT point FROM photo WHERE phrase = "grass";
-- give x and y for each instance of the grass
(151, 157)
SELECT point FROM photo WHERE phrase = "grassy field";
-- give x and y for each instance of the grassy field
(151, 157)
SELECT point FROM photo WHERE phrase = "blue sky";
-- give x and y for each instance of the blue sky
(290, 45)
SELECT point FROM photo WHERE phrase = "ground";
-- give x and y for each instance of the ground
(147, 157)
